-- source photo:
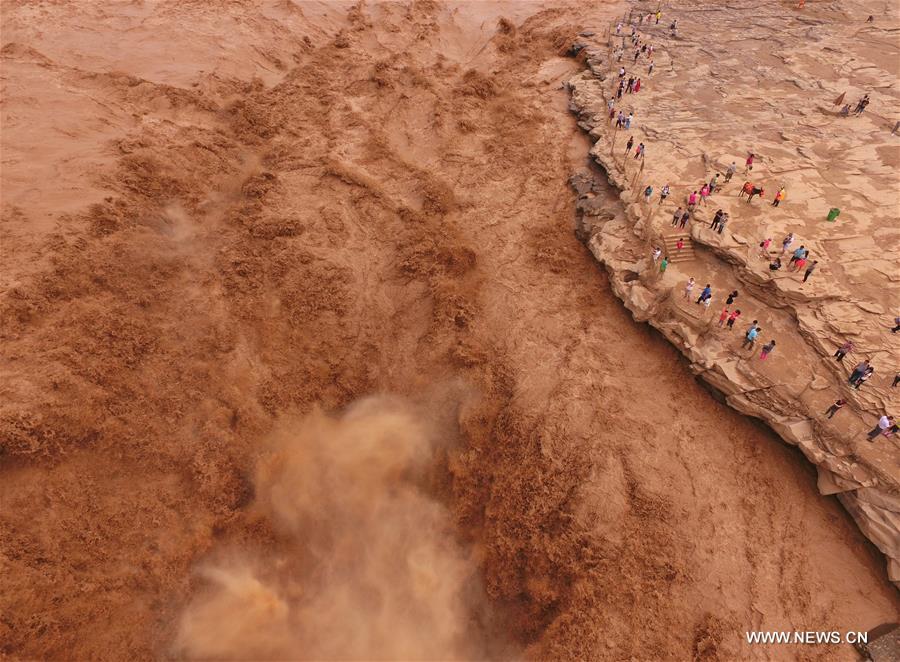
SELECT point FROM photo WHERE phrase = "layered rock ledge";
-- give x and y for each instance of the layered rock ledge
(698, 112)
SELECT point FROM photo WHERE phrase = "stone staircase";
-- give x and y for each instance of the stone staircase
(686, 254)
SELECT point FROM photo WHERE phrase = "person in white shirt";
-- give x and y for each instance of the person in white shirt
(884, 423)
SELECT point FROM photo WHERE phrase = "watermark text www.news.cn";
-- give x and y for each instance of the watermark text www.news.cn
(806, 637)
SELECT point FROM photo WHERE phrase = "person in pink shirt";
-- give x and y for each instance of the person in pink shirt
(692, 200)
(750, 161)
(723, 316)
(637, 86)
(799, 264)
(704, 193)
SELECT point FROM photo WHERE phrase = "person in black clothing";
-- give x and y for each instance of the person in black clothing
(731, 298)
(833, 409)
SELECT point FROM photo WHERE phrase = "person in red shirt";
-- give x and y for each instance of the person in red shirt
(732, 318)
(750, 161)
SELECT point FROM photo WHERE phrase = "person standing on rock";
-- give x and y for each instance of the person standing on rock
(679, 245)
(692, 201)
(637, 86)
(835, 408)
(797, 255)
(786, 242)
(884, 424)
(676, 217)
(778, 197)
(767, 349)
(656, 253)
(800, 263)
(763, 250)
(685, 217)
(689, 287)
(843, 350)
(775, 264)
(809, 270)
(664, 194)
(648, 192)
(750, 162)
(858, 371)
(650, 68)
(714, 184)
(716, 218)
(629, 144)
(628, 120)
(730, 172)
(639, 151)
(733, 318)
(750, 338)
(731, 297)
(705, 294)
(864, 378)
(629, 86)
(704, 194)
(722, 222)
(664, 264)
(658, 16)
(723, 316)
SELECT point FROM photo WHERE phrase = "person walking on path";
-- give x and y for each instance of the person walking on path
(688, 288)
(664, 264)
(750, 162)
(679, 244)
(723, 316)
(859, 371)
(835, 408)
(861, 105)
(716, 218)
(884, 424)
(650, 68)
(750, 338)
(714, 183)
(629, 144)
(731, 297)
(657, 251)
(767, 349)
(730, 172)
(843, 350)
(732, 318)
(648, 192)
(778, 197)
(685, 217)
(704, 194)
(676, 217)
(764, 248)
(637, 86)
(809, 270)
(705, 294)
(692, 201)
(786, 242)
(799, 264)
(628, 121)
(664, 194)
(639, 151)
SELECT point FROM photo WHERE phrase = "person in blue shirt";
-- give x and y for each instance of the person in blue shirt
(705, 294)
(751, 337)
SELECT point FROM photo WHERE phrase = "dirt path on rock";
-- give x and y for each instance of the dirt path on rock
(384, 209)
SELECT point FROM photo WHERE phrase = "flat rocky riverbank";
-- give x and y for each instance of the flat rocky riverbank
(704, 106)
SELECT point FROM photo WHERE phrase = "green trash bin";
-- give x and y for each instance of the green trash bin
(833, 213)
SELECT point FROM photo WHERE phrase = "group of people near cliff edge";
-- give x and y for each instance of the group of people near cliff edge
(800, 257)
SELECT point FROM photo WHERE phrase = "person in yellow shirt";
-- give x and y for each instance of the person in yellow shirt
(778, 197)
